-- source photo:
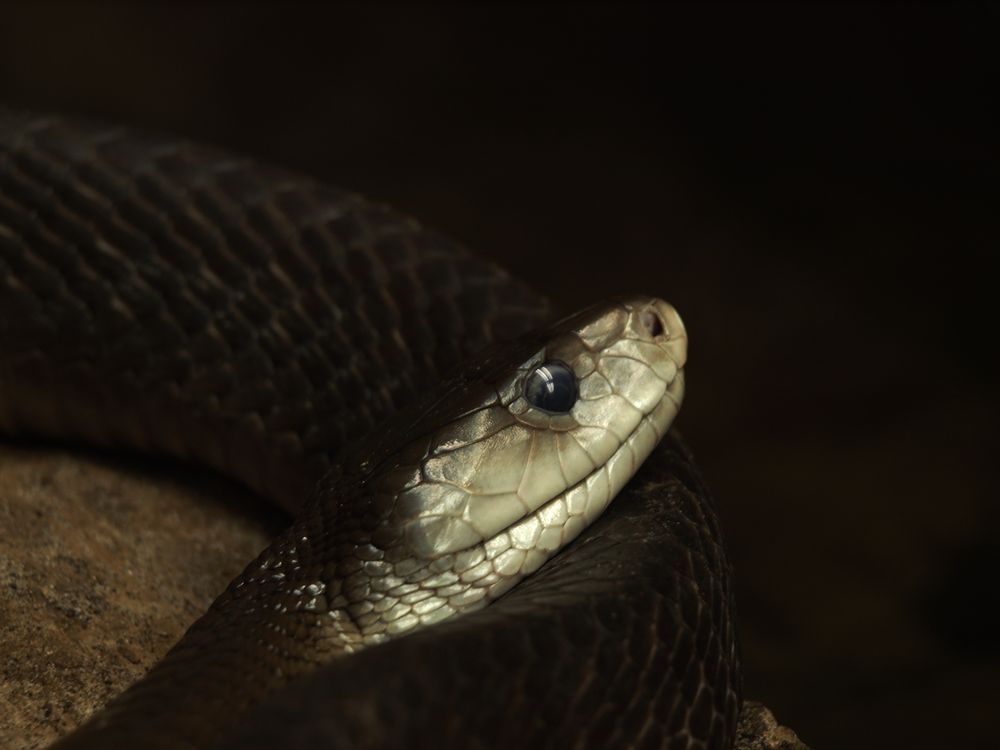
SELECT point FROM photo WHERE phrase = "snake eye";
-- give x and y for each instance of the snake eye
(551, 387)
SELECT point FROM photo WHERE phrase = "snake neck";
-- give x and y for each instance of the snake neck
(280, 619)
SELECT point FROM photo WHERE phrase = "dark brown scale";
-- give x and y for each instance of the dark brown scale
(164, 297)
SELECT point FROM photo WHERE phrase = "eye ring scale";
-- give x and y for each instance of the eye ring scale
(551, 387)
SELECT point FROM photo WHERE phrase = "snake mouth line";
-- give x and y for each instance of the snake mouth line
(573, 509)
(673, 393)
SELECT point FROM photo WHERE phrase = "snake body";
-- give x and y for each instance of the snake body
(169, 298)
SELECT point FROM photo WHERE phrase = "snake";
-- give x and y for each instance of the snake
(495, 538)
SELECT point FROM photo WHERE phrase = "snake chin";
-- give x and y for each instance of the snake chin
(526, 545)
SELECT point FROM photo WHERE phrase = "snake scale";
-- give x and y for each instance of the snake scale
(357, 369)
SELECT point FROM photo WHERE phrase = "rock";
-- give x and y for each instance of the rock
(103, 565)
(759, 730)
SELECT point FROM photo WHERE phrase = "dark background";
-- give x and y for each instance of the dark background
(813, 187)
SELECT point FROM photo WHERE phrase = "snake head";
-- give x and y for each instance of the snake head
(503, 464)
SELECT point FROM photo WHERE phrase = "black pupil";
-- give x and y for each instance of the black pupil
(551, 387)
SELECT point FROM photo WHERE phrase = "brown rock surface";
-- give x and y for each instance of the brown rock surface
(103, 565)
(759, 730)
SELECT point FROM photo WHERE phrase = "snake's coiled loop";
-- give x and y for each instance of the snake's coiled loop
(169, 298)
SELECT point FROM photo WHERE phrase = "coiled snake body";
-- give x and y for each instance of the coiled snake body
(387, 388)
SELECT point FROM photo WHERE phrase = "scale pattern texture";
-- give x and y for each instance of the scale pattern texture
(167, 298)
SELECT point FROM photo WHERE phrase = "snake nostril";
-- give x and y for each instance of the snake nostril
(652, 322)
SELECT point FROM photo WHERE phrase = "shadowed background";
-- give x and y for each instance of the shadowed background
(814, 188)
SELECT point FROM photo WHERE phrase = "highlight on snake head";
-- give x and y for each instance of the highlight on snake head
(508, 463)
